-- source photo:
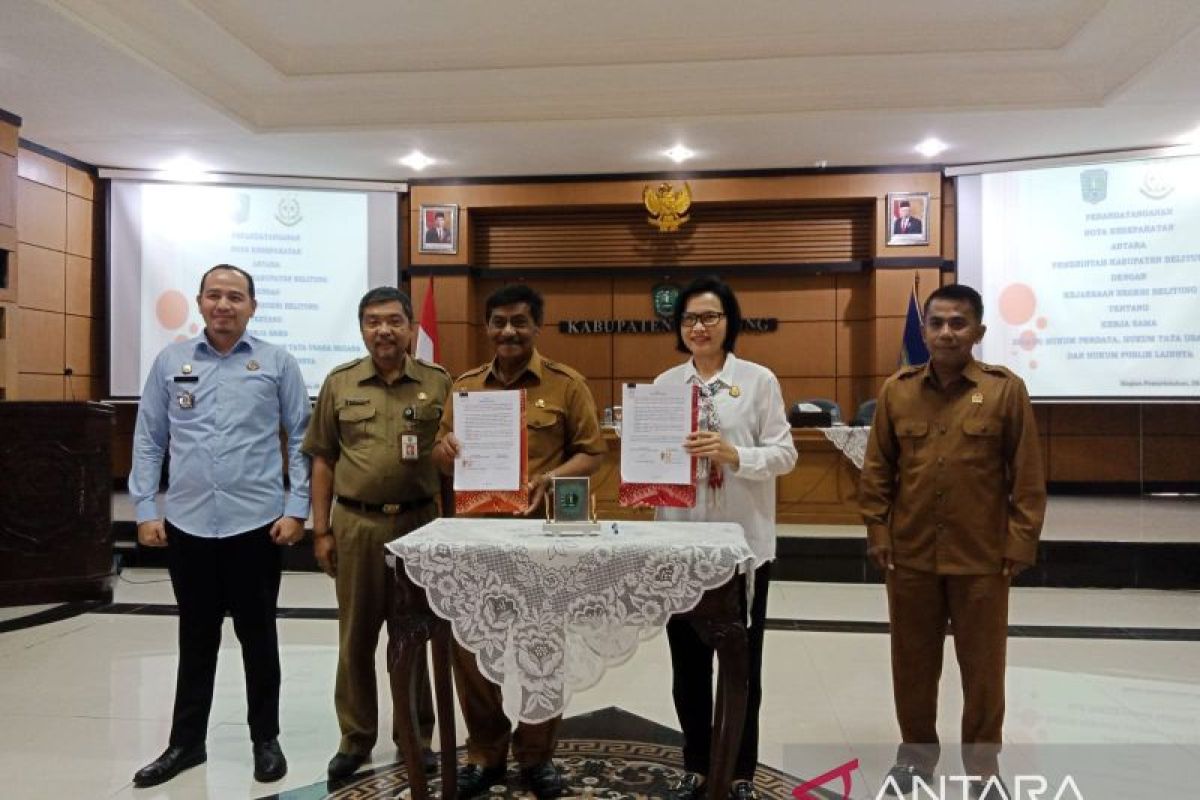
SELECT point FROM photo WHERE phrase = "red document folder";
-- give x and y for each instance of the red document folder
(673, 495)
(496, 501)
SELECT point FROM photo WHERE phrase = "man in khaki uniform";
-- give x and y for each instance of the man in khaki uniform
(563, 440)
(953, 496)
(370, 440)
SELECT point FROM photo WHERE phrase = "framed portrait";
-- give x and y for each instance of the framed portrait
(907, 218)
(439, 229)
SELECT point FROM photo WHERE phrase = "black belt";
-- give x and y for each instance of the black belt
(384, 508)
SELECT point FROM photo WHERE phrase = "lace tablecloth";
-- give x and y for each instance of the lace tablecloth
(547, 615)
(851, 440)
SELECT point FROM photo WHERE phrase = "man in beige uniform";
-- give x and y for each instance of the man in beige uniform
(563, 436)
(370, 440)
(953, 497)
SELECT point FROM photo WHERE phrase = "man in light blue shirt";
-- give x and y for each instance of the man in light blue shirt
(216, 404)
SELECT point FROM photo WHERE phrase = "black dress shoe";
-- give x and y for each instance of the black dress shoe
(174, 760)
(474, 780)
(742, 790)
(343, 765)
(544, 780)
(429, 761)
(901, 777)
(269, 763)
(690, 787)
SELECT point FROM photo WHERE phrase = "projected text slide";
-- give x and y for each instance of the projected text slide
(1091, 278)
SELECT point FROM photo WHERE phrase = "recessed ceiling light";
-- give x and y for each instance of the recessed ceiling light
(931, 147)
(416, 160)
(184, 169)
(679, 153)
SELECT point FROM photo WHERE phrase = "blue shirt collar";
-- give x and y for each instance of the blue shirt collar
(246, 342)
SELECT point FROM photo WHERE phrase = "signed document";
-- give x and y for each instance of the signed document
(489, 427)
(658, 418)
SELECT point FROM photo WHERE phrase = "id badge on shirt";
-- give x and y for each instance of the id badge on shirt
(409, 447)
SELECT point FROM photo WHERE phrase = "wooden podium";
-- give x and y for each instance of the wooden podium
(56, 541)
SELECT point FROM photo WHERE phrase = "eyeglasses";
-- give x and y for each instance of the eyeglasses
(707, 319)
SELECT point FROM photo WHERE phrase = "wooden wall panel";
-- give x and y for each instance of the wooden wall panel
(41, 387)
(794, 299)
(80, 343)
(1093, 458)
(796, 390)
(59, 318)
(644, 354)
(43, 276)
(855, 347)
(797, 349)
(893, 287)
(582, 298)
(1093, 420)
(8, 350)
(591, 355)
(949, 219)
(80, 183)
(853, 392)
(454, 339)
(1181, 420)
(8, 196)
(713, 236)
(889, 334)
(43, 215)
(631, 295)
(79, 226)
(1172, 458)
(42, 169)
(451, 297)
(80, 297)
(855, 296)
(10, 136)
(41, 341)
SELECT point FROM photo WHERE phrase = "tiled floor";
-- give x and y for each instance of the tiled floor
(85, 701)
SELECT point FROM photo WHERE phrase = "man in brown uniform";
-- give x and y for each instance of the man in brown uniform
(563, 436)
(953, 497)
(370, 440)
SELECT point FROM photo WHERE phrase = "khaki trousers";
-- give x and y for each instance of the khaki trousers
(919, 606)
(489, 730)
(364, 586)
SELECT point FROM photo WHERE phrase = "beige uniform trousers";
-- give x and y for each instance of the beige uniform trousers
(489, 730)
(364, 595)
(919, 606)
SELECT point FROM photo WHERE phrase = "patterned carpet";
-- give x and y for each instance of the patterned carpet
(609, 754)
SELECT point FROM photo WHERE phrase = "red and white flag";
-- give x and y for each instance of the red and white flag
(427, 336)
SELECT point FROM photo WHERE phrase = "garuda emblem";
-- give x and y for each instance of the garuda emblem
(668, 208)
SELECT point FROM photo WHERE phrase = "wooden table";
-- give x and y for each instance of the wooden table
(719, 619)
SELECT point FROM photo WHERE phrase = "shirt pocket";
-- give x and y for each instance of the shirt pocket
(356, 425)
(912, 435)
(545, 421)
(427, 418)
(982, 441)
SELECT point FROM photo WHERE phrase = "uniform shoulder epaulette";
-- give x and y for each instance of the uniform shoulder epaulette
(475, 371)
(346, 366)
(431, 365)
(562, 368)
(996, 369)
(909, 371)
